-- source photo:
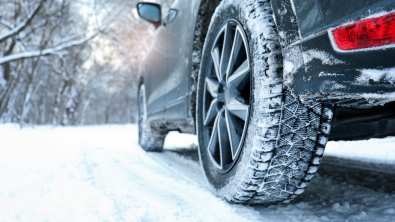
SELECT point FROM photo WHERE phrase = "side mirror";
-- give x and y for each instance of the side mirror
(150, 12)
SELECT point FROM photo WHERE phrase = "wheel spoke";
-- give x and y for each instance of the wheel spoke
(226, 50)
(216, 55)
(212, 147)
(211, 112)
(212, 86)
(238, 109)
(224, 143)
(214, 137)
(241, 74)
(234, 137)
(237, 44)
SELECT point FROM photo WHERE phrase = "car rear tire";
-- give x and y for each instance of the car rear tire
(146, 141)
(258, 144)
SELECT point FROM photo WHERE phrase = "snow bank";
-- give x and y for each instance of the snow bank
(373, 150)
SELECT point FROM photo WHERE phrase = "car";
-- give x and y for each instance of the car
(265, 84)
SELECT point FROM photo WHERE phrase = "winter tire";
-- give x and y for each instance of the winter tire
(146, 141)
(258, 144)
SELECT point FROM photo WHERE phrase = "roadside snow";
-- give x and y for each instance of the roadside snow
(373, 150)
(99, 173)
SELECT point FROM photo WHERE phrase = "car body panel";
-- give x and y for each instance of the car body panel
(168, 64)
(319, 72)
(180, 32)
(155, 80)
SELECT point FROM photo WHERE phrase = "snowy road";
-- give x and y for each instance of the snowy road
(101, 174)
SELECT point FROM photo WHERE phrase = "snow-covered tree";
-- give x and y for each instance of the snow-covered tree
(70, 62)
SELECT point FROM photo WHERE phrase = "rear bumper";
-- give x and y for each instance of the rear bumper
(360, 78)
(315, 69)
(318, 15)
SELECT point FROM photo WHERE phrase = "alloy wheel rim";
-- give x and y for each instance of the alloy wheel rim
(226, 96)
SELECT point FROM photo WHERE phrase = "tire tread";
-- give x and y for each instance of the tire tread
(287, 146)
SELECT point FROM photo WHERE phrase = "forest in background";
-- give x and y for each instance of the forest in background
(70, 62)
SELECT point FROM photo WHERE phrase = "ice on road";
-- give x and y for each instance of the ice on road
(100, 173)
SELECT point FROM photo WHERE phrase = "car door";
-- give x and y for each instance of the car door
(180, 26)
(155, 75)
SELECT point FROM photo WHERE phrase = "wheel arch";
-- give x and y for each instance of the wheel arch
(206, 10)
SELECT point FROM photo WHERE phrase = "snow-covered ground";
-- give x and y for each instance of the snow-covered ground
(100, 173)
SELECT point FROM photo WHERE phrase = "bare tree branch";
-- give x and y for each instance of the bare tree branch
(52, 50)
(72, 37)
(16, 30)
(6, 24)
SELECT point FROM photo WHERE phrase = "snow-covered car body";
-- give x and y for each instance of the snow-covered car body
(325, 71)
(358, 82)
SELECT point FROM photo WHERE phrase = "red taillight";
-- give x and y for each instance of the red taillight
(367, 33)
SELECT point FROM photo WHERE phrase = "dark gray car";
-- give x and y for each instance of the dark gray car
(265, 84)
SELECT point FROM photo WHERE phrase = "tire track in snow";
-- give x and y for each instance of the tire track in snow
(175, 191)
